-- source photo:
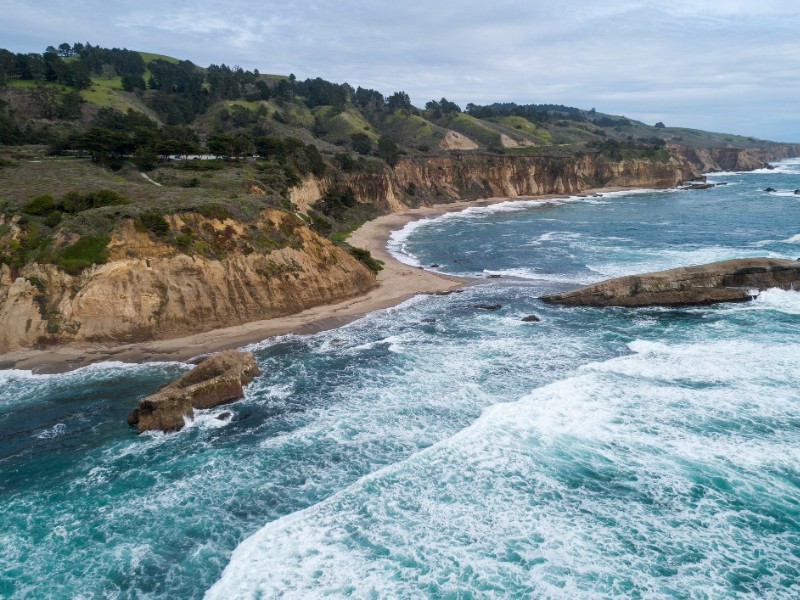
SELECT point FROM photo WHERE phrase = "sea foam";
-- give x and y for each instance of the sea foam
(636, 476)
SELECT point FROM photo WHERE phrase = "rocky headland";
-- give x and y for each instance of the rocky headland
(735, 280)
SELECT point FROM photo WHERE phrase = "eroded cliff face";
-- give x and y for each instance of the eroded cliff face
(476, 176)
(442, 179)
(734, 159)
(149, 290)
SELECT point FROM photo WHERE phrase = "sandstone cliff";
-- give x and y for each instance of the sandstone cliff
(148, 290)
(443, 179)
(733, 159)
(457, 176)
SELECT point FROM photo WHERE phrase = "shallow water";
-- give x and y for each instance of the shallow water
(436, 449)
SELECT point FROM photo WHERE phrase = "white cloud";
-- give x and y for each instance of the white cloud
(719, 65)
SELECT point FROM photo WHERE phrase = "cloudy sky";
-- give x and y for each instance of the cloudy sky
(722, 65)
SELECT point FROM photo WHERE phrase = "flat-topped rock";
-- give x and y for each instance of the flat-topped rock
(216, 380)
(724, 281)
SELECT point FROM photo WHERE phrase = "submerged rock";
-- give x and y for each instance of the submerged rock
(489, 306)
(531, 319)
(216, 380)
(724, 281)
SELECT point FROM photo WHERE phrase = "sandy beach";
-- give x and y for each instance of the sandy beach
(397, 282)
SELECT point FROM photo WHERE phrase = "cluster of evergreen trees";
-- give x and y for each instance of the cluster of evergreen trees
(536, 113)
(43, 67)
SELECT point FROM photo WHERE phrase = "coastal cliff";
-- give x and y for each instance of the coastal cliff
(150, 290)
(444, 179)
(707, 160)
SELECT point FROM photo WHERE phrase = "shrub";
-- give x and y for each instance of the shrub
(215, 211)
(53, 219)
(365, 257)
(87, 251)
(319, 223)
(389, 151)
(154, 223)
(40, 205)
(75, 202)
(361, 143)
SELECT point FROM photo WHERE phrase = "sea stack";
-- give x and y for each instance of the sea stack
(216, 380)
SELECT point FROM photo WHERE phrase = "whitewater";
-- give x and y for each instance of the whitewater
(437, 449)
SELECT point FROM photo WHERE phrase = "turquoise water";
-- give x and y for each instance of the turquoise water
(440, 450)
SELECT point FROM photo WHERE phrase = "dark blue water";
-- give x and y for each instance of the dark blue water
(440, 450)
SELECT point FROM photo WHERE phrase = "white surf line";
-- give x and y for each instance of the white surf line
(150, 180)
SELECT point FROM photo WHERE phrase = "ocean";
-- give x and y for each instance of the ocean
(437, 449)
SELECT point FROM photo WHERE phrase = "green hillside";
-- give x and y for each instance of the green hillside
(89, 137)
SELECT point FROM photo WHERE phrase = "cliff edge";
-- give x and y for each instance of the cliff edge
(149, 290)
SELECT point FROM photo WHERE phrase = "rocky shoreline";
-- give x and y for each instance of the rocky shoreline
(737, 280)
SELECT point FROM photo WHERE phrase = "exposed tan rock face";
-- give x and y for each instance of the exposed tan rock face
(454, 140)
(734, 159)
(509, 142)
(442, 179)
(724, 281)
(309, 191)
(218, 379)
(476, 176)
(159, 293)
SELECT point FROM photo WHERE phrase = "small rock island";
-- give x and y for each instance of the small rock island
(216, 380)
(725, 281)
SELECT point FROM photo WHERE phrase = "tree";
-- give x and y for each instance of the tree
(145, 158)
(388, 151)
(449, 107)
(399, 101)
(660, 125)
(361, 143)
(70, 108)
(132, 82)
(315, 160)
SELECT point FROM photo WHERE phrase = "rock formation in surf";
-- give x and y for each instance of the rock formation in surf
(725, 281)
(218, 379)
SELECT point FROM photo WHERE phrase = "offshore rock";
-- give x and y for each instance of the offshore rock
(724, 281)
(218, 379)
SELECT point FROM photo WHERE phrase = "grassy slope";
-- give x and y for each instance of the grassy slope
(151, 56)
(341, 125)
(412, 131)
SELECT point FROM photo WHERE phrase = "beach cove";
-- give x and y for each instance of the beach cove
(397, 282)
